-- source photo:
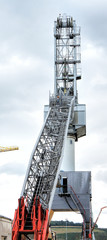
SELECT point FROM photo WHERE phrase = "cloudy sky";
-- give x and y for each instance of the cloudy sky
(27, 75)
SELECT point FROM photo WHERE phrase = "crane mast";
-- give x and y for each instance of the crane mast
(67, 56)
(31, 216)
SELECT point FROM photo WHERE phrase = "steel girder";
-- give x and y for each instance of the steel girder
(45, 161)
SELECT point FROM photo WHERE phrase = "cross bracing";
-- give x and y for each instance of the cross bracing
(67, 56)
(46, 157)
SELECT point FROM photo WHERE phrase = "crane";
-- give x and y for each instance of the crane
(31, 218)
(98, 218)
(5, 149)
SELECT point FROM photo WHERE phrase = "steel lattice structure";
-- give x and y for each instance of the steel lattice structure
(46, 158)
(67, 56)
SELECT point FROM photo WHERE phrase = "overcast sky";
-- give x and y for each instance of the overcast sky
(27, 75)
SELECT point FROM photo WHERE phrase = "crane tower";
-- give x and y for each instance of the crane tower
(67, 56)
(65, 119)
(67, 62)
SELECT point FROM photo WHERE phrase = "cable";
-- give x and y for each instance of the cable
(68, 204)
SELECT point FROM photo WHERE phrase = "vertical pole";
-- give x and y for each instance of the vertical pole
(66, 229)
(75, 70)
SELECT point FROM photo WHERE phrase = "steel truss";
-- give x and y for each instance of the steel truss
(67, 56)
(46, 158)
(44, 165)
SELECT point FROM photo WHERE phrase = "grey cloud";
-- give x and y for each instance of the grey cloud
(101, 176)
(13, 169)
(92, 18)
(25, 89)
(23, 33)
(91, 159)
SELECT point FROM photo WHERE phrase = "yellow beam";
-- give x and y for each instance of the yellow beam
(5, 149)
